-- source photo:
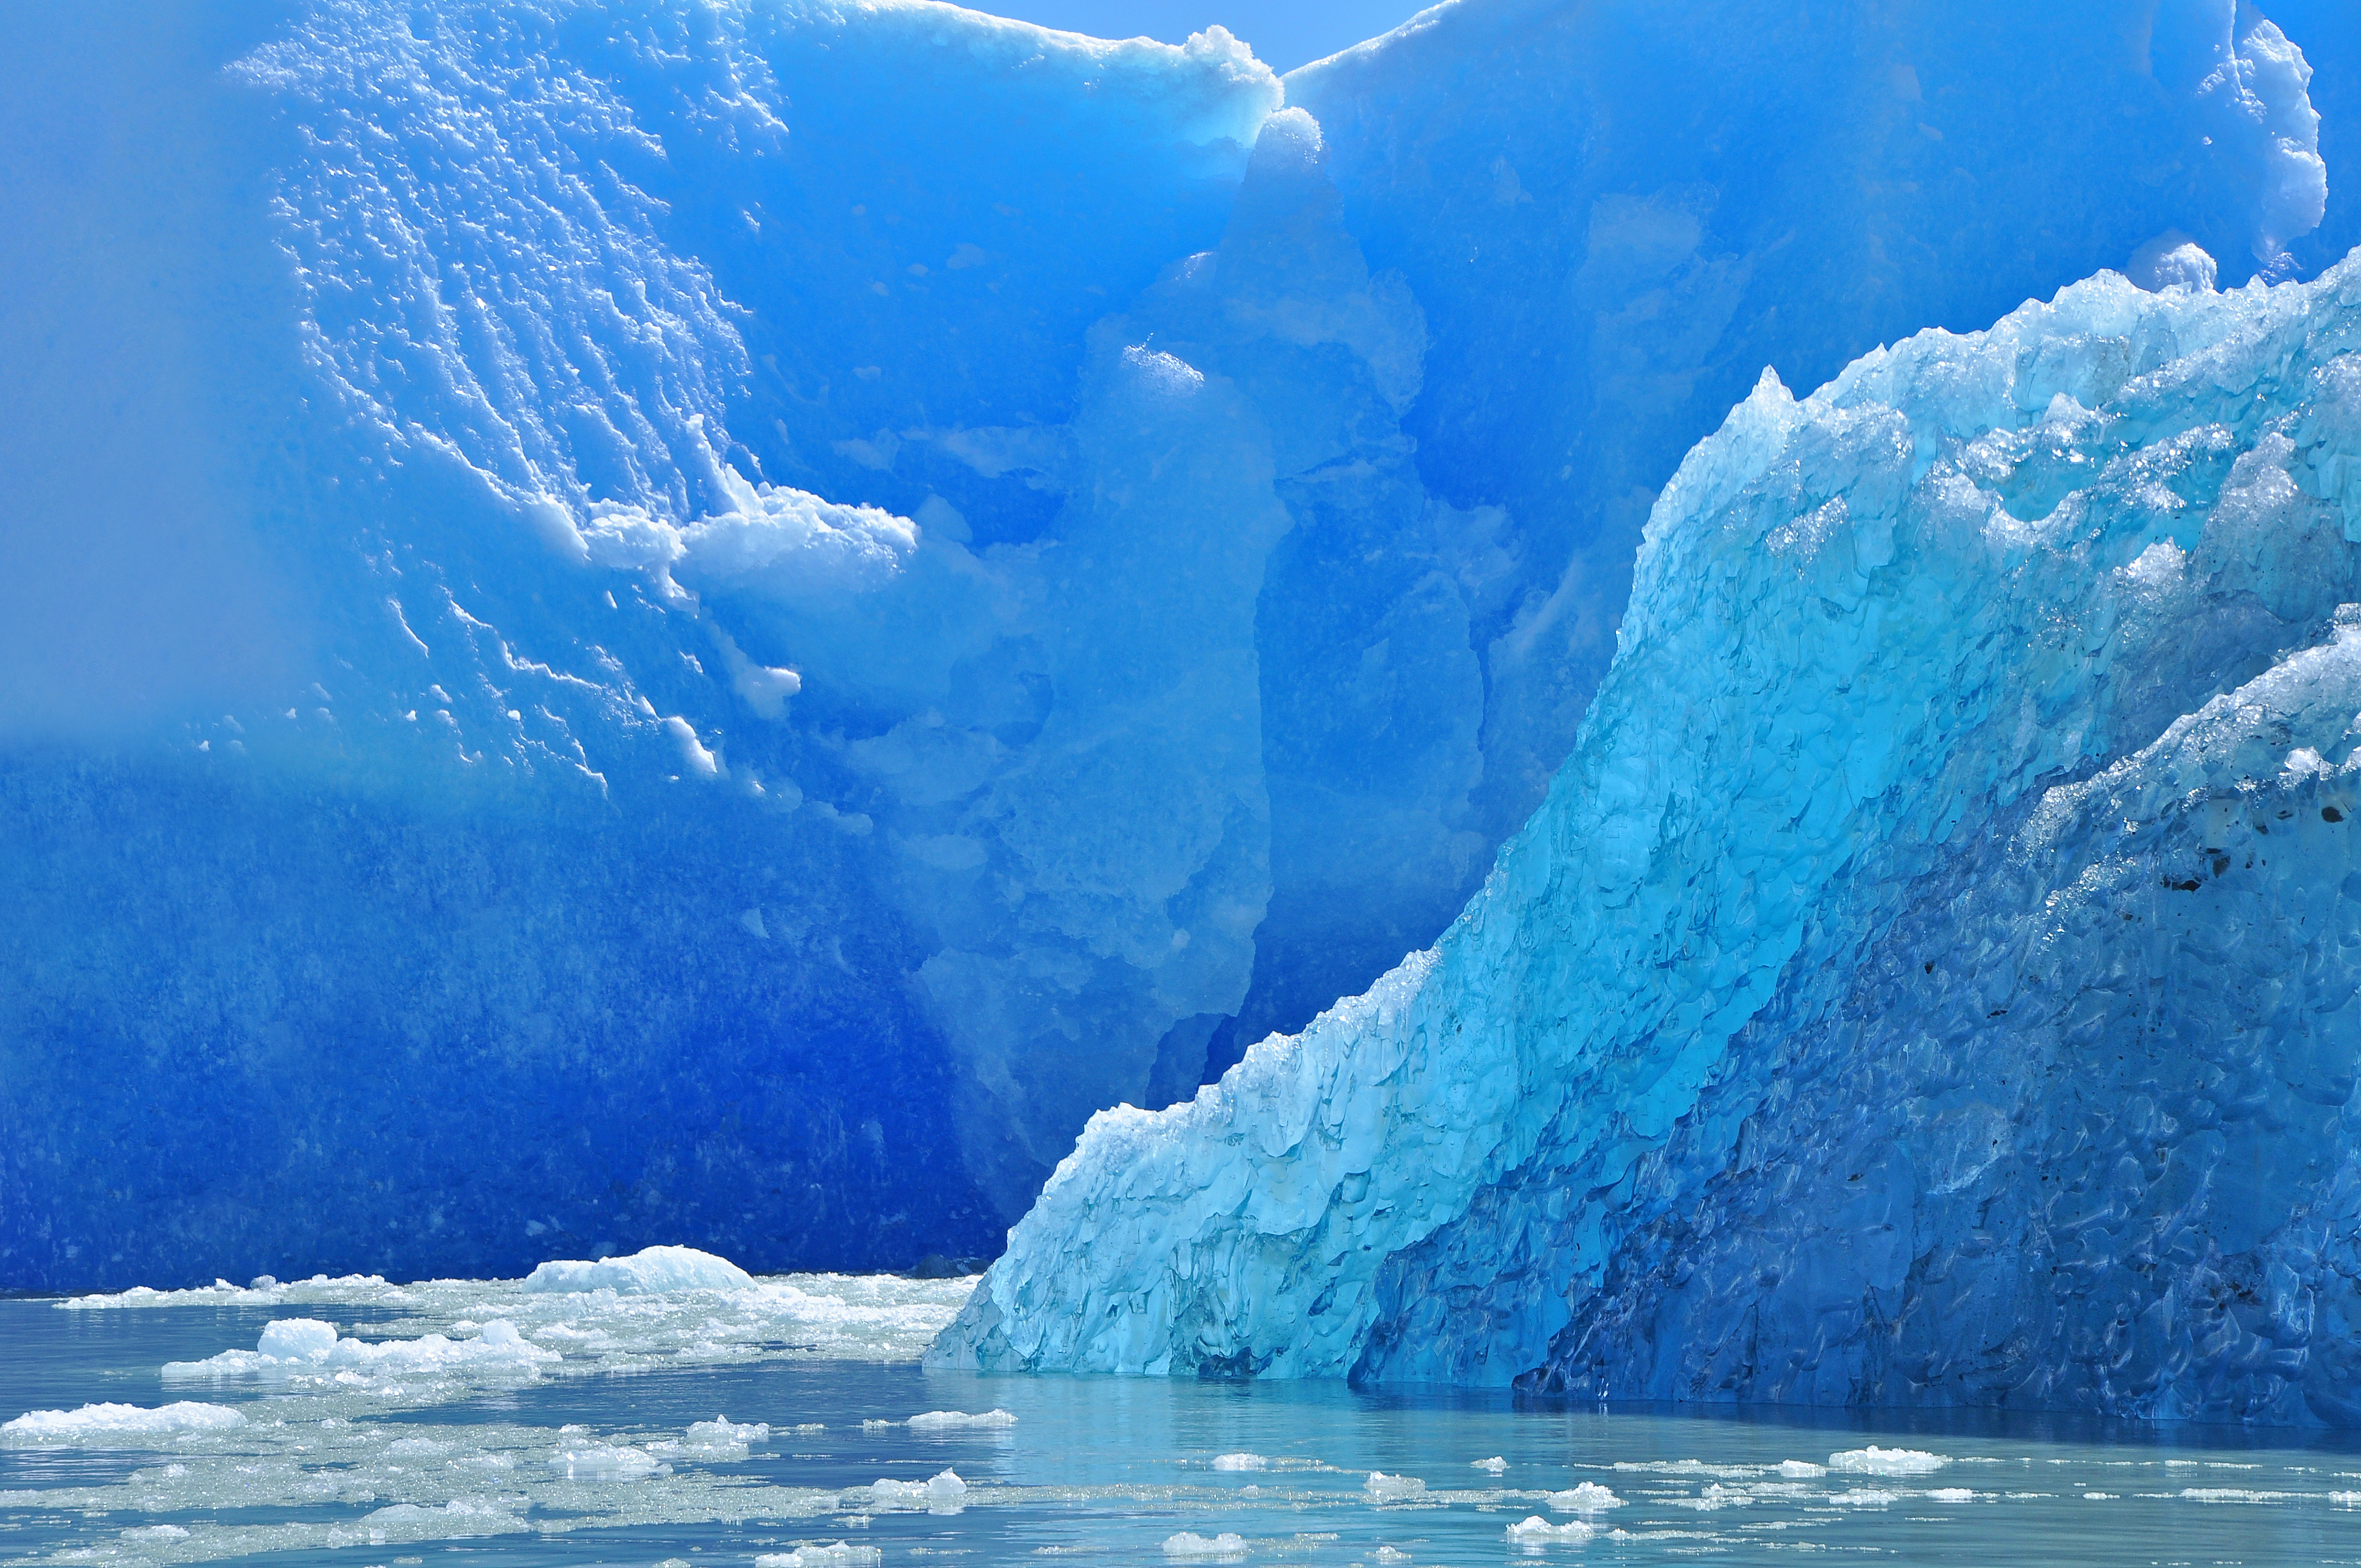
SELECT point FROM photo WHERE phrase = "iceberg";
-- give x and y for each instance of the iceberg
(719, 626)
(1930, 979)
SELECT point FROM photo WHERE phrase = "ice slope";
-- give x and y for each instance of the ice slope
(1932, 979)
(713, 623)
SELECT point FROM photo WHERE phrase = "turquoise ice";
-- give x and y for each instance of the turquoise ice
(1932, 977)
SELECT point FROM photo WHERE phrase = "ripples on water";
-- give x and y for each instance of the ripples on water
(766, 1425)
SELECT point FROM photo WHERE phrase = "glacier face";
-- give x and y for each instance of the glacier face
(1932, 977)
(716, 624)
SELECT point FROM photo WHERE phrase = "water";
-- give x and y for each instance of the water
(423, 1456)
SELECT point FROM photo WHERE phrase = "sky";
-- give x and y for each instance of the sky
(1284, 33)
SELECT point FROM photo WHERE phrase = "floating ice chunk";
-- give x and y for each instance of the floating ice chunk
(2233, 1494)
(955, 1421)
(1496, 1464)
(1589, 1497)
(604, 1462)
(1385, 1488)
(876, 1425)
(1192, 1545)
(120, 1424)
(1866, 1497)
(301, 1345)
(945, 1490)
(1391, 1555)
(2098, 1496)
(1876, 1460)
(719, 1437)
(1535, 1530)
(836, 1554)
(157, 1533)
(1951, 1495)
(296, 1339)
(1801, 1469)
(1239, 1461)
(648, 1272)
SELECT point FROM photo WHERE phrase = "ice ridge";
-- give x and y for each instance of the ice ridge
(1931, 979)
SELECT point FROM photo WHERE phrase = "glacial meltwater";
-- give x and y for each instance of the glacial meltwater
(659, 1415)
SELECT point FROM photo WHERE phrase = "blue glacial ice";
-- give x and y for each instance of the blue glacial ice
(714, 626)
(1935, 978)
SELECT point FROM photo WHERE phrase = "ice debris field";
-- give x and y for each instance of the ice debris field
(367, 1426)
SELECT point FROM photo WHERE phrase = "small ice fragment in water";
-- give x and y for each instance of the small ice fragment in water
(1866, 1497)
(837, 1555)
(156, 1533)
(600, 1462)
(101, 1424)
(1589, 1497)
(1952, 1494)
(1876, 1460)
(1392, 1555)
(1495, 1464)
(1801, 1469)
(876, 1426)
(1536, 1530)
(1239, 1461)
(946, 1421)
(1188, 1543)
(648, 1272)
(945, 1491)
(1386, 1488)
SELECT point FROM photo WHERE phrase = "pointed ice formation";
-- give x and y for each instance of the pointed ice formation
(1935, 977)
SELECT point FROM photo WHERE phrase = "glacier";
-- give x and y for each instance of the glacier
(1909, 993)
(714, 625)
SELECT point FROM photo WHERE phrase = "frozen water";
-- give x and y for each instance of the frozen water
(1948, 898)
(1188, 1544)
(1876, 1460)
(119, 1425)
(743, 615)
(958, 1421)
(648, 1271)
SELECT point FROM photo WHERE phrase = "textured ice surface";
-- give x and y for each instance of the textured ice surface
(715, 627)
(124, 1425)
(650, 1271)
(1932, 977)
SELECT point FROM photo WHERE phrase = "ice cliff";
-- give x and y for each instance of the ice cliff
(713, 622)
(1934, 977)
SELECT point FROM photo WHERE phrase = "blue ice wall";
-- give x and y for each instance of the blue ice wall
(1931, 979)
(714, 623)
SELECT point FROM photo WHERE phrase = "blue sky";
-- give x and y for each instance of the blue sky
(1284, 33)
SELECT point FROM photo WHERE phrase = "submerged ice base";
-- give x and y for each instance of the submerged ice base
(1934, 979)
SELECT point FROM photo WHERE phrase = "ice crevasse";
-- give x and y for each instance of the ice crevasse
(1934, 977)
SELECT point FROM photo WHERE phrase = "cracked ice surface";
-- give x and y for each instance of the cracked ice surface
(1932, 979)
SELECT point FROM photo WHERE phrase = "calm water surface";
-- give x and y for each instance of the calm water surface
(577, 1441)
